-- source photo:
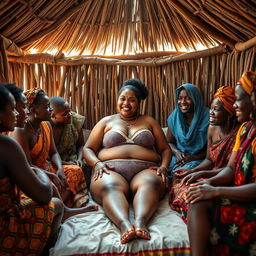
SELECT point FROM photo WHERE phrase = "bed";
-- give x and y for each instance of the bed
(91, 234)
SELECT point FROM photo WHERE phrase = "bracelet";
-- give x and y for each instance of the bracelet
(94, 166)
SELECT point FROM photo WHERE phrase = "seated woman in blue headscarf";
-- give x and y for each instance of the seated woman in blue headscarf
(187, 129)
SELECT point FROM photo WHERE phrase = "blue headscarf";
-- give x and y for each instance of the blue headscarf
(193, 140)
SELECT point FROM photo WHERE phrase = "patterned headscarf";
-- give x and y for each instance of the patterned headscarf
(226, 95)
(31, 95)
(248, 81)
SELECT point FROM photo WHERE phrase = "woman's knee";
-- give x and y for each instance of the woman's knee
(147, 180)
(108, 186)
(201, 206)
(58, 206)
(114, 186)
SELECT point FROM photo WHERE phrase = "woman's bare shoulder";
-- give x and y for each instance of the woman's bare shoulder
(7, 143)
(105, 120)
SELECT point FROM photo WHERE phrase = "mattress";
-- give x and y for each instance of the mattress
(91, 234)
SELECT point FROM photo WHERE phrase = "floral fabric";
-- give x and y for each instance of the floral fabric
(234, 222)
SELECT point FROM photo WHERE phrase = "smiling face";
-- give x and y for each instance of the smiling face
(243, 104)
(218, 115)
(185, 103)
(127, 104)
(8, 116)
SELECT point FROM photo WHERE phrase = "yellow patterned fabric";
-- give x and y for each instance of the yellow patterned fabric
(226, 95)
(31, 95)
(248, 81)
(25, 225)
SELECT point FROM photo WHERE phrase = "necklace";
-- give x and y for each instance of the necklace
(130, 123)
(34, 131)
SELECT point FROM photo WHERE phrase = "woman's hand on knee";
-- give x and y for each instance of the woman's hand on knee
(161, 171)
(101, 168)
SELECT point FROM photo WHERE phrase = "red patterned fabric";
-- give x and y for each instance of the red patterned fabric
(220, 152)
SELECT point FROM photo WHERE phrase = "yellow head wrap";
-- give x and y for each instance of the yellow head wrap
(248, 81)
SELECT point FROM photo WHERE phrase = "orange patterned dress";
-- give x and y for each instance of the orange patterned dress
(25, 225)
(74, 174)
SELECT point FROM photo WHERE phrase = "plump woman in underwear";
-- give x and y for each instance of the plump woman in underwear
(130, 156)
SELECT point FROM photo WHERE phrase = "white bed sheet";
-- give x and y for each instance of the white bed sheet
(94, 234)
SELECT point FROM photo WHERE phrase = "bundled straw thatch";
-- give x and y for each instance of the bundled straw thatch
(123, 39)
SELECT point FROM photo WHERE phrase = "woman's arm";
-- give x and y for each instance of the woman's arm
(21, 135)
(79, 145)
(36, 186)
(162, 148)
(91, 148)
(171, 141)
(55, 159)
(244, 193)
(94, 143)
(226, 175)
(207, 163)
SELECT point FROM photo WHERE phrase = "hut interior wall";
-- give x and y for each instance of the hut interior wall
(92, 89)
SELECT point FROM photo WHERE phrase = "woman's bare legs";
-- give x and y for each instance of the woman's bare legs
(59, 210)
(111, 191)
(199, 227)
(147, 188)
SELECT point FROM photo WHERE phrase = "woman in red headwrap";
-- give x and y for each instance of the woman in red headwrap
(221, 138)
(222, 209)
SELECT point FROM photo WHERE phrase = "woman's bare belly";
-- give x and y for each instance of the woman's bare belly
(128, 151)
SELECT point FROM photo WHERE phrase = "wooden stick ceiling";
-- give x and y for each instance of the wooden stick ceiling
(125, 27)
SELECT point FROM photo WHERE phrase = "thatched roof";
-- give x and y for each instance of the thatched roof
(126, 26)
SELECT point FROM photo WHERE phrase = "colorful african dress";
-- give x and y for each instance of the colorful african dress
(25, 225)
(234, 222)
(220, 152)
(69, 137)
(74, 174)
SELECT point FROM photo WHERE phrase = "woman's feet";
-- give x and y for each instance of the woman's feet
(142, 233)
(127, 236)
(141, 230)
(127, 231)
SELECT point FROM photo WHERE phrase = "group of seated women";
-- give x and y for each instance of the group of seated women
(216, 196)
(207, 167)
